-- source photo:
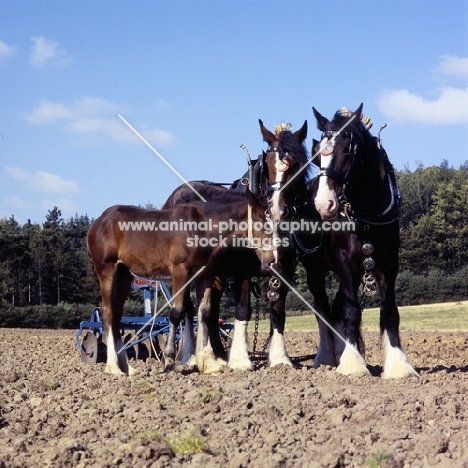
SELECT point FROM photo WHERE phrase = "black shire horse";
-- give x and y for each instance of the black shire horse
(278, 177)
(355, 184)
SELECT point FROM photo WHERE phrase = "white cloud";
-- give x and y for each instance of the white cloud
(16, 202)
(6, 50)
(93, 119)
(43, 50)
(95, 126)
(158, 137)
(117, 132)
(65, 205)
(49, 112)
(163, 105)
(42, 181)
(454, 65)
(451, 107)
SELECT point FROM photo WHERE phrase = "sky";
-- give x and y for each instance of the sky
(193, 77)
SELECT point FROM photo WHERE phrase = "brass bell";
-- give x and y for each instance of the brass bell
(367, 248)
(368, 263)
(272, 295)
(274, 283)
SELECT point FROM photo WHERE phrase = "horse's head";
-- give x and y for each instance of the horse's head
(341, 153)
(284, 162)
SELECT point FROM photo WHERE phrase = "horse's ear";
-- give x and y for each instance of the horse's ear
(267, 135)
(321, 120)
(301, 134)
(358, 111)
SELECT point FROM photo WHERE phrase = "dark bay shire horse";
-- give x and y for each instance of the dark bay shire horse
(278, 177)
(184, 243)
(356, 182)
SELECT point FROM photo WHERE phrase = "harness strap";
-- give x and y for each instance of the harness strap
(303, 249)
(387, 212)
(277, 149)
(340, 177)
(276, 186)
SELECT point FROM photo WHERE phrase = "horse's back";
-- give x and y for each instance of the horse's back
(186, 193)
(132, 236)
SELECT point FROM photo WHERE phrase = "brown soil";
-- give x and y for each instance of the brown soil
(56, 411)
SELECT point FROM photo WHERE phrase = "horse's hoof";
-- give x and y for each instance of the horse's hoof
(214, 368)
(244, 364)
(133, 371)
(189, 362)
(353, 370)
(396, 365)
(282, 362)
(241, 367)
(399, 371)
(207, 363)
(168, 364)
(168, 369)
(352, 363)
(324, 361)
(114, 371)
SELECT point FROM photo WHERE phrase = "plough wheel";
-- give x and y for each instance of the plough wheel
(89, 348)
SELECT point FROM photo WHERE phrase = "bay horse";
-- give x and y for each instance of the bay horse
(280, 165)
(127, 241)
(356, 182)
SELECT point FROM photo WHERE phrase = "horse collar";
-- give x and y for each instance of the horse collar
(385, 212)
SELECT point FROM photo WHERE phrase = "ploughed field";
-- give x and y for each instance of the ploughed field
(56, 411)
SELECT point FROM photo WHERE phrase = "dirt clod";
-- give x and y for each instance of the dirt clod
(58, 412)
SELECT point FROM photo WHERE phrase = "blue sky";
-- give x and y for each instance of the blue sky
(194, 76)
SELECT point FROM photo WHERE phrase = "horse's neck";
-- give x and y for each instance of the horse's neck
(367, 182)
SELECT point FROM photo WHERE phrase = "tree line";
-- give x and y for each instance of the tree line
(48, 264)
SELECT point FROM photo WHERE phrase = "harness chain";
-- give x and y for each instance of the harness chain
(257, 320)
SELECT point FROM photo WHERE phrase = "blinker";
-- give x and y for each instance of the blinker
(326, 147)
(282, 165)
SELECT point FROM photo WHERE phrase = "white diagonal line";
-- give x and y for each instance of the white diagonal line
(160, 310)
(314, 156)
(317, 314)
(159, 155)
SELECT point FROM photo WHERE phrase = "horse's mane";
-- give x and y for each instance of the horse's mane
(355, 126)
(231, 196)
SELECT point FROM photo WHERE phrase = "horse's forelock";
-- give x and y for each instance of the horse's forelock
(290, 145)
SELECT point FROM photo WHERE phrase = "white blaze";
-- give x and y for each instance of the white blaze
(326, 200)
